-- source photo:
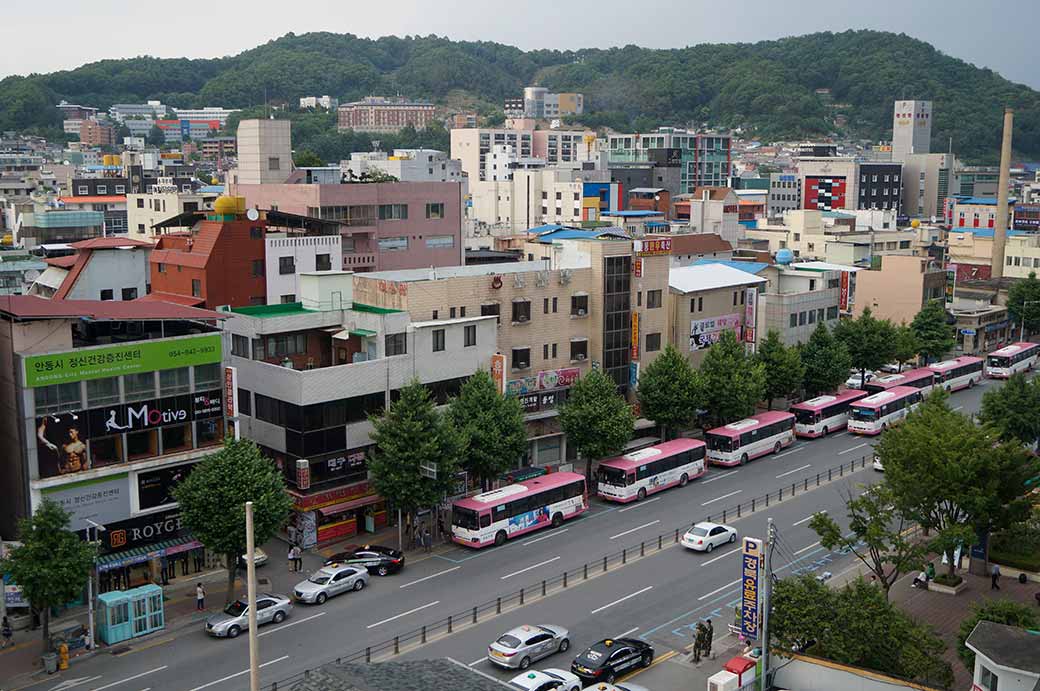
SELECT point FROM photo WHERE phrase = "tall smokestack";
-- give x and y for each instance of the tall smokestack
(1001, 223)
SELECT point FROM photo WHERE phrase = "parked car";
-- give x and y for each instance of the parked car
(546, 680)
(891, 368)
(704, 536)
(259, 559)
(329, 581)
(853, 382)
(379, 560)
(270, 609)
(519, 647)
(610, 658)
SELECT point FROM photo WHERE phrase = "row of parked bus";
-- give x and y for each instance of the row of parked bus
(496, 516)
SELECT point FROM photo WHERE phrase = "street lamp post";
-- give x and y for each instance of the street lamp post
(90, 583)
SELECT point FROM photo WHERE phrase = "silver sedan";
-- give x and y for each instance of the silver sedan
(234, 619)
(519, 647)
(330, 580)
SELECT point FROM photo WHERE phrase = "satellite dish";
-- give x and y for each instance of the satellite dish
(252, 214)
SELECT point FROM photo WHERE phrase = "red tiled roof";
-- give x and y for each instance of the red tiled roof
(717, 194)
(172, 297)
(179, 258)
(696, 243)
(95, 199)
(33, 307)
(62, 262)
(109, 243)
(82, 257)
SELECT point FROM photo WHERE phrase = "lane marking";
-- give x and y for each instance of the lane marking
(642, 503)
(617, 602)
(477, 661)
(715, 559)
(718, 590)
(546, 537)
(719, 477)
(807, 519)
(68, 683)
(958, 407)
(426, 578)
(658, 660)
(136, 676)
(402, 614)
(631, 630)
(807, 465)
(292, 623)
(841, 453)
(237, 674)
(785, 453)
(805, 549)
(645, 525)
(724, 496)
(525, 570)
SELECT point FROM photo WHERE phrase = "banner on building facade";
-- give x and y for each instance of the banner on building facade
(102, 500)
(750, 314)
(843, 295)
(635, 335)
(498, 371)
(951, 282)
(704, 333)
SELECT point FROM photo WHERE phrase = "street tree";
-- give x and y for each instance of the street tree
(213, 501)
(413, 443)
(492, 425)
(934, 335)
(596, 419)
(826, 361)
(155, 136)
(952, 476)
(870, 341)
(782, 366)
(307, 159)
(731, 382)
(52, 564)
(906, 345)
(1012, 410)
(668, 391)
(1023, 303)
(1002, 611)
(877, 535)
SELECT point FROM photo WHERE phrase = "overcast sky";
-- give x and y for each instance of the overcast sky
(62, 34)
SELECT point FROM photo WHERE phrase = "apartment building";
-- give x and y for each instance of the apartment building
(704, 158)
(880, 186)
(528, 198)
(152, 110)
(218, 148)
(220, 115)
(836, 237)
(94, 133)
(970, 252)
(380, 114)
(144, 211)
(471, 146)
(975, 212)
(899, 287)
(785, 194)
(308, 375)
(105, 268)
(714, 210)
(326, 102)
(407, 165)
(928, 179)
(539, 103)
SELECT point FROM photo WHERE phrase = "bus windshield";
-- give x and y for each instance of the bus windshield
(717, 442)
(997, 361)
(864, 414)
(612, 476)
(464, 518)
(805, 417)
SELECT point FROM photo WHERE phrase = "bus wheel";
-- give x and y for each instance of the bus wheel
(641, 495)
(776, 447)
(683, 480)
(743, 459)
(500, 538)
(971, 383)
(884, 426)
(557, 520)
(825, 430)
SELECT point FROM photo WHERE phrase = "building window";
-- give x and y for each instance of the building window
(492, 309)
(142, 445)
(140, 202)
(129, 293)
(139, 386)
(102, 391)
(653, 342)
(987, 679)
(545, 305)
(393, 244)
(579, 305)
(273, 163)
(812, 316)
(579, 350)
(794, 319)
(239, 346)
(176, 438)
(283, 345)
(521, 311)
(653, 299)
(802, 318)
(106, 294)
(174, 381)
(286, 265)
(440, 242)
(258, 268)
(196, 287)
(393, 212)
(545, 351)
(438, 340)
(470, 335)
(435, 210)
(396, 344)
(207, 376)
(57, 397)
(323, 262)
(521, 358)
(832, 313)
(245, 402)
(162, 268)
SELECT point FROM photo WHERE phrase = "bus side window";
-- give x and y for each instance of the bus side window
(485, 520)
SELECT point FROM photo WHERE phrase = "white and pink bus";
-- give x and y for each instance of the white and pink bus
(878, 412)
(958, 373)
(493, 517)
(819, 416)
(922, 378)
(739, 442)
(634, 475)
(1012, 359)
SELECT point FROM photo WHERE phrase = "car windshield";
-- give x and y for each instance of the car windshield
(552, 674)
(464, 518)
(319, 579)
(698, 531)
(612, 476)
(235, 609)
(717, 442)
(508, 641)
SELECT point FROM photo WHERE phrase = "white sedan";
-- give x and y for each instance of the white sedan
(704, 537)
(546, 680)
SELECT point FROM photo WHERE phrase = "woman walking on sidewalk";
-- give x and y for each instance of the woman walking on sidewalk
(297, 558)
(200, 597)
(6, 631)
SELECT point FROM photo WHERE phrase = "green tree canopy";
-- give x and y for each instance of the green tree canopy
(934, 335)
(1013, 410)
(1023, 302)
(596, 418)
(1002, 611)
(870, 341)
(155, 136)
(213, 501)
(305, 158)
(731, 381)
(668, 390)
(782, 366)
(826, 361)
(52, 564)
(492, 425)
(907, 346)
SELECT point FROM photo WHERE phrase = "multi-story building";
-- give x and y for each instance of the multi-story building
(326, 102)
(880, 186)
(152, 110)
(407, 165)
(19, 163)
(94, 133)
(461, 120)
(472, 145)
(928, 179)
(184, 130)
(381, 114)
(911, 129)
(563, 146)
(899, 287)
(309, 373)
(112, 205)
(970, 252)
(713, 210)
(704, 158)
(539, 103)
(106, 268)
(785, 194)
(205, 114)
(218, 148)
(977, 181)
(145, 211)
(687, 248)
(72, 111)
(976, 212)
(264, 152)
(109, 404)
(828, 183)
(287, 256)
(41, 225)
(503, 160)
(529, 198)
(797, 297)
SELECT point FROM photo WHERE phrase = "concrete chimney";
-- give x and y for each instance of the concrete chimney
(1001, 223)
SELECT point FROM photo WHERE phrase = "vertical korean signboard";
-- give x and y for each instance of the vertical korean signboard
(231, 397)
(635, 335)
(750, 314)
(951, 282)
(843, 295)
(750, 567)
(498, 371)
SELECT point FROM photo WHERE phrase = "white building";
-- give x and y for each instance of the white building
(911, 129)
(152, 110)
(471, 145)
(145, 210)
(503, 160)
(326, 102)
(407, 165)
(785, 194)
(531, 198)
(105, 268)
(207, 113)
(287, 257)
(1006, 658)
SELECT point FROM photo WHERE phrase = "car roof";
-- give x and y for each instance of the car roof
(531, 679)
(333, 569)
(524, 631)
(708, 525)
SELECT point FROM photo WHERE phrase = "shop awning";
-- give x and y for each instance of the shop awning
(345, 506)
(138, 555)
(363, 333)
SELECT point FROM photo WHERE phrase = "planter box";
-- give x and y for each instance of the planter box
(948, 590)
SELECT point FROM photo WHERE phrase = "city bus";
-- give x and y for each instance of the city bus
(922, 378)
(739, 442)
(493, 517)
(634, 475)
(958, 373)
(879, 411)
(819, 416)
(1012, 359)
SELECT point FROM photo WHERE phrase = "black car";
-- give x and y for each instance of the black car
(379, 560)
(610, 658)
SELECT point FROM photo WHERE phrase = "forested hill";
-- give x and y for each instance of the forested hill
(769, 87)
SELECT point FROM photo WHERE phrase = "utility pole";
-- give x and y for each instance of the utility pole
(766, 602)
(90, 582)
(254, 651)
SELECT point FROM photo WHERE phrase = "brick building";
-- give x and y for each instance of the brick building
(379, 114)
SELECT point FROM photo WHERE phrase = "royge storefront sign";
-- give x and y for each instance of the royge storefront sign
(141, 530)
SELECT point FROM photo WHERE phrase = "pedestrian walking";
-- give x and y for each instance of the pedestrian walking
(298, 558)
(708, 636)
(200, 597)
(427, 540)
(7, 632)
(994, 578)
(291, 557)
(440, 526)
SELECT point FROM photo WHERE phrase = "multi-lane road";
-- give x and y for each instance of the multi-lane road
(659, 598)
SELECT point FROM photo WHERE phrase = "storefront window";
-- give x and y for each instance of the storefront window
(176, 438)
(139, 386)
(106, 451)
(57, 397)
(207, 376)
(207, 432)
(173, 381)
(102, 392)
(142, 444)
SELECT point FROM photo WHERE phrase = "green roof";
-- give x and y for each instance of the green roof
(363, 333)
(267, 311)
(358, 307)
